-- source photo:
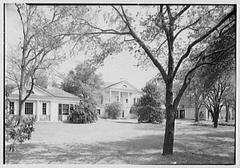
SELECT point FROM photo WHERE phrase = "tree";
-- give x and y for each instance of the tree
(229, 99)
(38, 48)
(41, 79)
(166, 35)
(212, 83)
(214, 98)
(149, 106)
(83, 81)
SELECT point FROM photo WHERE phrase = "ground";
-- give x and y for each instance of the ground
(124, 142)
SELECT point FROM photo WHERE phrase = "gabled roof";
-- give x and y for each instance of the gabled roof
(56, 92)
(109, 84)
(50, 92)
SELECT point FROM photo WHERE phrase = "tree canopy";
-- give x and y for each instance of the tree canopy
(83, 81)
(166, 35)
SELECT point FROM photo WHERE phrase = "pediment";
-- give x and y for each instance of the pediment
(123, 85)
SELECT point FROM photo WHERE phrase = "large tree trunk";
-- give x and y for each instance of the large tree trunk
(215, 122)
(196, 112)
(170, 122)
(215, 118)
(227, 112)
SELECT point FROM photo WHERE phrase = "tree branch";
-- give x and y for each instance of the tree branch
(200, 39)
(188, 26)
(29, 93)
(181, 12)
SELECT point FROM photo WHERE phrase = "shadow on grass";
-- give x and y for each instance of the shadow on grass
(126, 122)
(140, 150)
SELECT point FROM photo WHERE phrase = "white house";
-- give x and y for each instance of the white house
(123, 92)
(51, 104)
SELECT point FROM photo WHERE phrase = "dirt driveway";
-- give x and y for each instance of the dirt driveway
(124, 142)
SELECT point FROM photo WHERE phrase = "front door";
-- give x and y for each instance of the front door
(182, 114)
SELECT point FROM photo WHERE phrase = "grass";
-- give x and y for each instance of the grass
(124, 142)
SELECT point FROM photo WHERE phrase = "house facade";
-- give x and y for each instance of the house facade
(51, 104)
(122, 92)
(188, 112)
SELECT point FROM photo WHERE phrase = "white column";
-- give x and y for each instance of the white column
(49, 110)
(38, 110)
(119, 95)
(110, 95)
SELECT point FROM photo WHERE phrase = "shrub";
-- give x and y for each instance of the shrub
(113, 110)
(149, 114)
(18, 133)
(133, 112)
(148, 108)
(85, 112)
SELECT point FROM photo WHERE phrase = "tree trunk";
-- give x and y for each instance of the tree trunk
(170, 122)
(196, 112)
(216, 116)
(169, 132)
(215, 122)
(227, 112)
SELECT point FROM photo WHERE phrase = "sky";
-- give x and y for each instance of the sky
(115, 68)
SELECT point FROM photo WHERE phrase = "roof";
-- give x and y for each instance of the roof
(51, 92)
(56, 92)
(110, 84)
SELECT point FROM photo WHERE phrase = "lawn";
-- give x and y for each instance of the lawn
(124, 142)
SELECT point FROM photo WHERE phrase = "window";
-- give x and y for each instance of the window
(11, 108)
(65, 110)
(126, 100)
(117, 98)
(44, 108)
(28, 108)
(134, 101)
(59, 109)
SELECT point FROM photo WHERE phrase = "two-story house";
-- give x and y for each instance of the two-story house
(123, 92)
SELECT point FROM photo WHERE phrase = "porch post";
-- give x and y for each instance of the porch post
(119, 95)
(110, 95)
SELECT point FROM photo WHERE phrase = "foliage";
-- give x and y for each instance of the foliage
(150, 114)
(8, 89)
(83, 113)
(43, 29)
(212, 84)
(214, 97)
(42, 79)
(133, 110)
(83, 82)
(148, 108)
(163, 34)
(113, 110)
(18, 133)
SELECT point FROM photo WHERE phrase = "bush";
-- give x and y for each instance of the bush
(133, 112)
(18, 133)
(85, 112)
(113, 110)
(149, 114)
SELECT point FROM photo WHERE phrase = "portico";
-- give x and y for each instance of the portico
(121, 92)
